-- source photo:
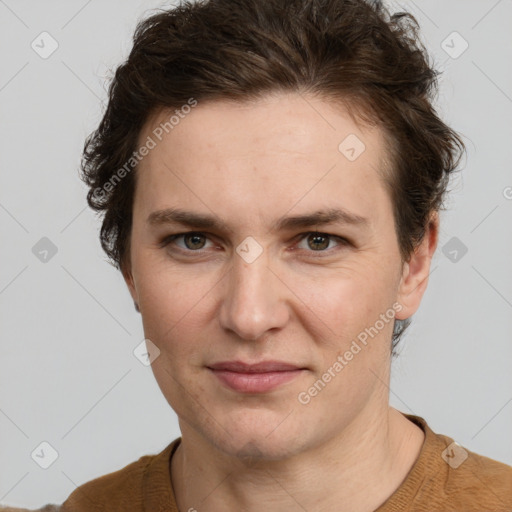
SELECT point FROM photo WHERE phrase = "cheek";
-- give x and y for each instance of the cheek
(166, 292)
(174, 315)
(353, 340)
(175, 308)
(349, 297)
(347, 317)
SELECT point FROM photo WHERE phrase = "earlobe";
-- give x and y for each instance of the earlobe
(416, 271)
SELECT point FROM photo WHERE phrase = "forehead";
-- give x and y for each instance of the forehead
(280, 150)
(284, 121)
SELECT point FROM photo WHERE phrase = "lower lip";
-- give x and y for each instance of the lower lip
(255, 382)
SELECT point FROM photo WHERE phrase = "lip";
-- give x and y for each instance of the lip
(261, 367)
(260, 377)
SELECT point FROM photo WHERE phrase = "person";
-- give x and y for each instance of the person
(271, 175)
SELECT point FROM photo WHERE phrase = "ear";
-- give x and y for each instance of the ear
(128, 279)
(416, 270)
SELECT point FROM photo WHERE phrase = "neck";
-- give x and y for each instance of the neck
(351, 471)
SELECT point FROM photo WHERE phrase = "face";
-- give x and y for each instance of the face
(257, 273)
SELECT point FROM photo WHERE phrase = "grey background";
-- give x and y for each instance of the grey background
(68, 375)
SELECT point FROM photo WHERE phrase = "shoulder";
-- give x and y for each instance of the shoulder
(474, 479)
(46, 508)
(448, 476)
(123, 486)
(122, 490)
(129, 489)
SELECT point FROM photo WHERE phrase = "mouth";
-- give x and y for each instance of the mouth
(255, 378)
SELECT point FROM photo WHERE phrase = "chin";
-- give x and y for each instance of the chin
(256, 449)
(261, 440)
(257, 431)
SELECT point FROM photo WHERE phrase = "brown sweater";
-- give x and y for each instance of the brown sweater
(444, 478)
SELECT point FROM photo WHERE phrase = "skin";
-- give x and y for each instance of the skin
(300, 302)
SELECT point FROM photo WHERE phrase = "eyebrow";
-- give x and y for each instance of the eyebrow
(206, 221)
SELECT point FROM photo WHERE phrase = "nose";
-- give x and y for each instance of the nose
(255, 298)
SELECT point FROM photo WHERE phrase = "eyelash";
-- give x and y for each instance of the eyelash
(342, 242)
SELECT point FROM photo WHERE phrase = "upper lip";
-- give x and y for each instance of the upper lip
(262, 367)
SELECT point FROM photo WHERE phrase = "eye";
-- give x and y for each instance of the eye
(193, 241)
(319, 242)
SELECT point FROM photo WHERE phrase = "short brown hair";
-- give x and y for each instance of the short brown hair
(350, 51)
